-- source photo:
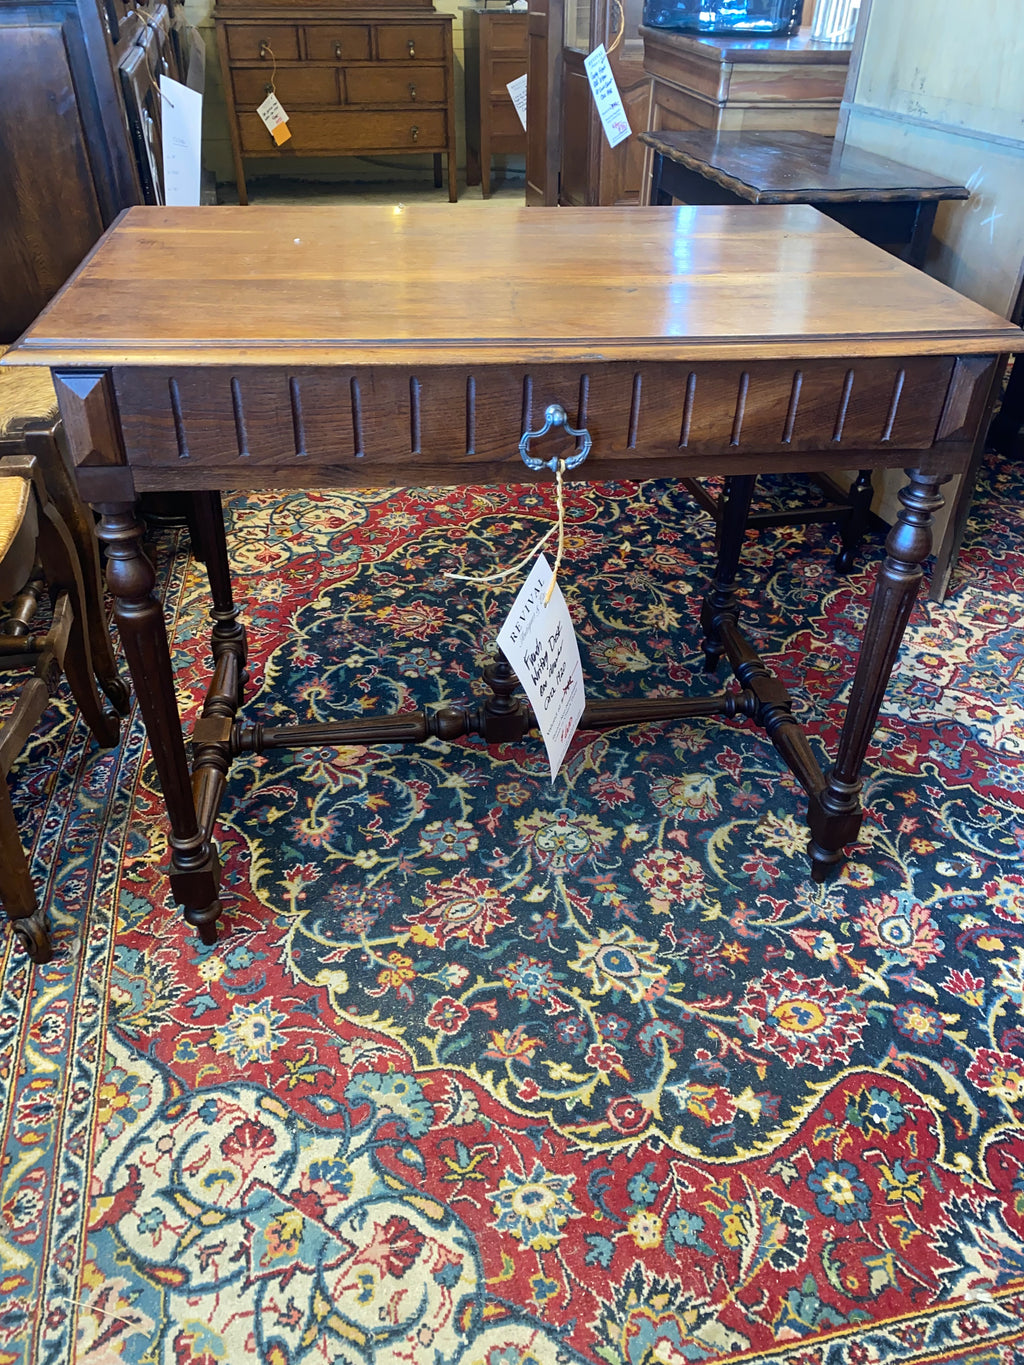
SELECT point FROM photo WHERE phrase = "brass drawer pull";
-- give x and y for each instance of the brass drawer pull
(337, 51)
(412, 48)
(412, 91)
(415, 133)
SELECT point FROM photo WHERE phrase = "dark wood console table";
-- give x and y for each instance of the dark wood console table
(224, 348)
(881, 200)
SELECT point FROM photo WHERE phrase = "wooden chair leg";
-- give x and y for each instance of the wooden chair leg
(63, 573)
(17, 893)
(47, 444)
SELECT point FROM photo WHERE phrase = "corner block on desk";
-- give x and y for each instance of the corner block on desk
(89, 410)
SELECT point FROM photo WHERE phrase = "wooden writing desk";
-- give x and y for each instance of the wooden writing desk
(224, 348)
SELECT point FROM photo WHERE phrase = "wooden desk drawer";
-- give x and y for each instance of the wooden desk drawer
(418, 42)
(335, 133)
(338, 43)
(394, 85)
(245, 41)
(295, 88)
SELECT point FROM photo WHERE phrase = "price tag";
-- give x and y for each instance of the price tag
(606, 96)
(273, 115)
(181, 131)
(517, 90)
(540, 643)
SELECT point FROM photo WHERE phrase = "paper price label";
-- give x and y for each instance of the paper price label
(182, 134)
(273, 115)
(517, 90)
(606, 96)
(540, 643)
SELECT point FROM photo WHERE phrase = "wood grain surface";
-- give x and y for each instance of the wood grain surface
(420, 285)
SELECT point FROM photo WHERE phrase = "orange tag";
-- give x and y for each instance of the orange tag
(276, 120)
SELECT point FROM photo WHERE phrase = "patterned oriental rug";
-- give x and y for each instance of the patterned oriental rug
(487, 1070)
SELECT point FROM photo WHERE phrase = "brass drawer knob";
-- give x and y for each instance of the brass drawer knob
(412, 91)
(415, 133)
(412, 48)
(337, 51)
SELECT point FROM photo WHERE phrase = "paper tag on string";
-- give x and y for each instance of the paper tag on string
(517, 92)
(606, 96)
(273, 115)
(181, 132)
(540, 643)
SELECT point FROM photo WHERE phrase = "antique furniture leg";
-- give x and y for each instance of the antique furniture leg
(195, 868)
(65, 649)
(46, 445)
(211, 739)
(851, 527)
(924, 222)
(720, 603)
(835, 814)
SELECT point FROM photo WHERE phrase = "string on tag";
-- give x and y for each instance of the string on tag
(265, 47)
(140, 42)
(91, 1308)
(531, 554)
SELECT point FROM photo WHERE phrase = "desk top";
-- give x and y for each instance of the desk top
(432, 285)
(797, 47)
(794, 167)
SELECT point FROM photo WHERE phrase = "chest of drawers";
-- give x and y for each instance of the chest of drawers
(353, 82)
(496, 53)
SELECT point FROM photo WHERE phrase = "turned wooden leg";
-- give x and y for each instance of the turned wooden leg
(17, 894)
(195, 869)
(834, 815)
(212, 750)
(720, 602)
(228, 633)
(851, 528)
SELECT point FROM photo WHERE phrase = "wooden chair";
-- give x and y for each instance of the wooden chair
(47, 544)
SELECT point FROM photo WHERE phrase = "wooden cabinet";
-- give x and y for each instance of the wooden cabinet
(728, 82)
(364, 82)
(496, 53)
(69, 157)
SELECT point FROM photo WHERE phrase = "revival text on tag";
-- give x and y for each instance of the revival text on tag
(540, 643)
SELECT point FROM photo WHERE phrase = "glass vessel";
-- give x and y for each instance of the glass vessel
(835, 21)
(724, 16)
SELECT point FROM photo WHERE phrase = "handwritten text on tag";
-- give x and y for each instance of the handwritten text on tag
(182, 132)
(273, 115)
(517, 89)
(539, 642)
(606, 96)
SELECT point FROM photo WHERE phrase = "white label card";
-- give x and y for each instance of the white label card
(517, 89)
(540, 643)
(606, 96)
(182, 135)
(271, 112)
